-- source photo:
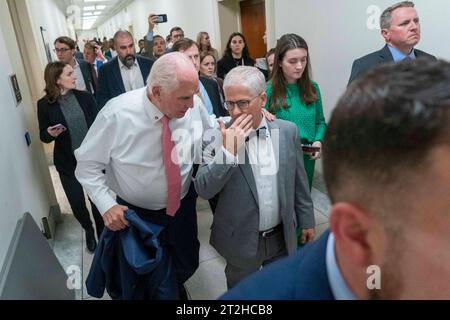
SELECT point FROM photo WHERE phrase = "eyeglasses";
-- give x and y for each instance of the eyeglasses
(63, 50)
(242, 104)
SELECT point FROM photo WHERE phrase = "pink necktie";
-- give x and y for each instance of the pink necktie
(172, 169)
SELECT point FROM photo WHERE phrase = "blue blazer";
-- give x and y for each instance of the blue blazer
(110, 83)
(123, 257)
(87, 76)
(302, 276)
(362, 65)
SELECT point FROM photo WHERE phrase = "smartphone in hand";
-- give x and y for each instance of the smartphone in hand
(161, 18)
(307, 148)
(58, 126)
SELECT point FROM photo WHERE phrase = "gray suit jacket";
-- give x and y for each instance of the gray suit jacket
(362, 65)
(235, 227)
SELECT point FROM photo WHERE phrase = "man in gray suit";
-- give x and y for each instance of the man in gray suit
(400, 28)
(257, 169)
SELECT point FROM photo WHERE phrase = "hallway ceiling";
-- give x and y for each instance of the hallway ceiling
(93, 12)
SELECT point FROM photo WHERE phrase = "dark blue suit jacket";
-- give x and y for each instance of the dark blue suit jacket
(362, 65)
(130, 263)
(87, 76)
(110, 83)
(302, 276)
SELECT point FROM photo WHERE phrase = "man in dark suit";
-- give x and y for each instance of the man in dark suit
(93, 55)
(65, 49)
(389, 185)
(400, 28)
(123, 73)
(262, 187)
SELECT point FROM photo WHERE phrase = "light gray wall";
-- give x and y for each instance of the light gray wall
(45, 13)
(337, 32)
(24, 184)
(192, 16)
(229, 19)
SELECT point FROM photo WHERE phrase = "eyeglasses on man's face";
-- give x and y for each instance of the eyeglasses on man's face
(242, 104)
(62, 50)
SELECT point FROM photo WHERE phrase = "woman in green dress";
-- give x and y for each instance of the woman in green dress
(293, 96)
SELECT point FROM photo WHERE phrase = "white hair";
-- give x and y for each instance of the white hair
(165, 70)
(249, 77)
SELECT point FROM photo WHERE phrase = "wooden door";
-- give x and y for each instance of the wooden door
(253, 21)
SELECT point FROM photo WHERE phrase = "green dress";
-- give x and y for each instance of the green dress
(308, 118)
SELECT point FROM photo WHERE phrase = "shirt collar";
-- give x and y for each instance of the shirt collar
(121, 65)
(337, 282)
(153, 113)
(397, 55)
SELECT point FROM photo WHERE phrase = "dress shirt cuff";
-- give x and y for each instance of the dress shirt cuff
(229, 158)
(149, 36)
(105, 203)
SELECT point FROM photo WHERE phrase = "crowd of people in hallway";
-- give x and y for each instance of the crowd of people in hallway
(145, 132)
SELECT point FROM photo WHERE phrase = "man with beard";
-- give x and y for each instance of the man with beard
(123, 73)
(400, 28)
(386, 165)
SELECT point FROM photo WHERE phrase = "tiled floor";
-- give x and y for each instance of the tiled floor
(209, 280)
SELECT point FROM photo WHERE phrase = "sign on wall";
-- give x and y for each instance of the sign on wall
(16, 90)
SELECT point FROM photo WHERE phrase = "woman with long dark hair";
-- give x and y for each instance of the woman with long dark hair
(65, 115)
(236, 54)
(293, 96)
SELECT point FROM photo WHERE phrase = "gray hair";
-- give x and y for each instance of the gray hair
(164, 72)
(249, 77)
(385, 18)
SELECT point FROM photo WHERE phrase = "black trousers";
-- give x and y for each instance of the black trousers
(75, 195)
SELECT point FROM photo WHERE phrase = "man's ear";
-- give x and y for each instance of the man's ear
(352, 228)
(385, 34)
(263, 99)
(156, 93)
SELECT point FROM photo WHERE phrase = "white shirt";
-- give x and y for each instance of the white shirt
(125, 139)
(339, 287)
(262, 159)
(132, 78)
(79, 83)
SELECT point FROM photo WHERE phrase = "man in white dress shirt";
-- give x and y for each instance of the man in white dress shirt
(127, 140)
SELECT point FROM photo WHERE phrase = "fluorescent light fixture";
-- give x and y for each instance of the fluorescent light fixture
(100, 7)
(87, 14)
(89, 8)
(97, 13)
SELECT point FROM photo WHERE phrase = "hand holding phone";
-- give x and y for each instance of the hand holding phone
(307, 148)
(59, 126)
(161, 18)
(56, 130)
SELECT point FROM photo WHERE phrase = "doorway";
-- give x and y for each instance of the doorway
(253, 21)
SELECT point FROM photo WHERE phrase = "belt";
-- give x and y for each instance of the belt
(269, 232)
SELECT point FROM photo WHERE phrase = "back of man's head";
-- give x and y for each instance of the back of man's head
(382, 133)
